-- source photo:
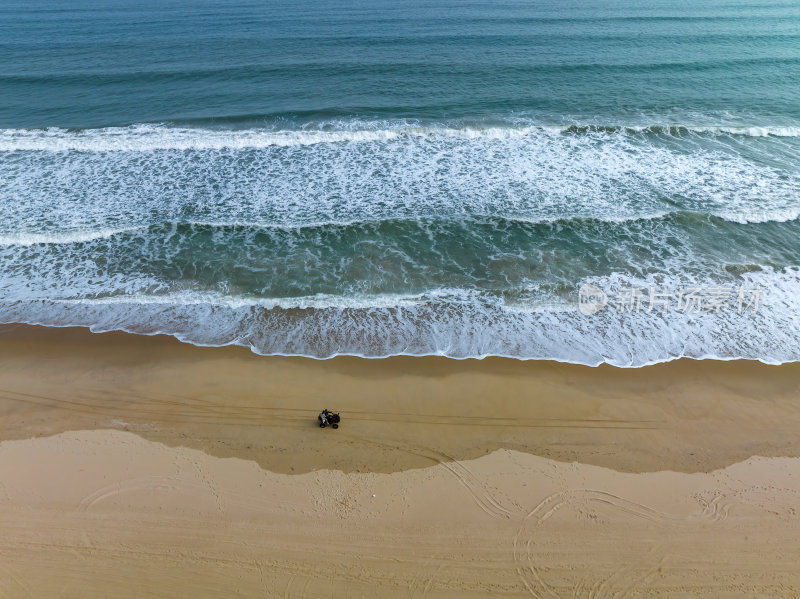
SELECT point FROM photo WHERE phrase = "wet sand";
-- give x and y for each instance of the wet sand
(202, 471)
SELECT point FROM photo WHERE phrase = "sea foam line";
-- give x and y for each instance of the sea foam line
(320, 301)
(154, 137)
(27, 239)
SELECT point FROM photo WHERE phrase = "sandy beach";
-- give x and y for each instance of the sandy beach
(543, 258)
(141, 466)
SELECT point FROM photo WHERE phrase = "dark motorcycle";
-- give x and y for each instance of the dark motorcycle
(325, 418)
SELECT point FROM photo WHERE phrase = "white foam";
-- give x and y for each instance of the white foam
(457, 324)
(79, 188)
(155, 137)
(759, 131)
(318, 301)
(59, 237)
(524, 173)
(754, 215)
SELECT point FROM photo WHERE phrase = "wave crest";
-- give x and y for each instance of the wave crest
(159, 137)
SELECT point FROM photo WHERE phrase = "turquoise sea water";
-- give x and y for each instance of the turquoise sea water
(406, 178)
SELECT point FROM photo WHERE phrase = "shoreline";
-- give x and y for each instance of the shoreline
(337, 356)
(398, 413)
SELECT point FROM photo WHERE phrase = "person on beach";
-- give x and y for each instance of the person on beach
(328, 418)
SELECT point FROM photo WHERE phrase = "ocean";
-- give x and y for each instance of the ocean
(593, 182)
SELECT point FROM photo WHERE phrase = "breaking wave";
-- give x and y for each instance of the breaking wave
(153, 137)
(399, 237)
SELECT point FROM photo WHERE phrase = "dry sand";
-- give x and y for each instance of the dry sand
(134, 466)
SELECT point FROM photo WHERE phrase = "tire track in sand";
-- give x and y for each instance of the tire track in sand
(649, 564)
(481, 494)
